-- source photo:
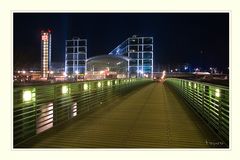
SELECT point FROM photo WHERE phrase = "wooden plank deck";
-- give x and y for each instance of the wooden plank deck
(151, 117)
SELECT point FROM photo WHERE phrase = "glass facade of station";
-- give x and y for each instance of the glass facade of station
(140, 50)
(107, 67)
(75, 56)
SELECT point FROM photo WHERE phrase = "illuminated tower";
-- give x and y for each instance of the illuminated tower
(45, 53)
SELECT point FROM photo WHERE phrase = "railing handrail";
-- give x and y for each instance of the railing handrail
(65, 83)
(204, 83)
(38, 108)
(209, 101)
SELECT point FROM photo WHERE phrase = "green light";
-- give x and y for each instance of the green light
(27, 96)
(195, 85)
(116, 82)
(85, 86)
(108, 83)
(217, 93)
(189, 84)
(99, 84)
(64, 89)
(34, 96)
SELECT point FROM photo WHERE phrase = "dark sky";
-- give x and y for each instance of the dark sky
(195, 38)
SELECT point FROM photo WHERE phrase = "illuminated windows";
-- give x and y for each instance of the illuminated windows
(46, 52)
(75, 56)
(140, 50)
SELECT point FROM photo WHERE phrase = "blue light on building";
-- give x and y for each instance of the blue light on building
(140, 50)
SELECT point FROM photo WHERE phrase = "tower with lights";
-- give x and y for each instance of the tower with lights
(45, 53)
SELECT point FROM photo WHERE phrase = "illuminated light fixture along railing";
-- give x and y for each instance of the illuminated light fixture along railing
(108, 83)
(189, 84)
(27, 96)
(99, 84)
(85, 86)
(64, 89)
(217, 93)
(195, 85)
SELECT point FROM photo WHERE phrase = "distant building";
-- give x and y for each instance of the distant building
(75, 56)
(140, 50)
(45, 53)
(107, 66)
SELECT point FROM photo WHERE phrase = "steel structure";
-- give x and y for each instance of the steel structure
(140, 50)
(75, 56)
(39, 108)
(45, 53)
(209, 101)
(107, 66)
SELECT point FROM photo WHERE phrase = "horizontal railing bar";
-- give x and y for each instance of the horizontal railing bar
(209, 100)
(38, 107)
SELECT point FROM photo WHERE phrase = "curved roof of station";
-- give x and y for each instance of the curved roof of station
(109, 57)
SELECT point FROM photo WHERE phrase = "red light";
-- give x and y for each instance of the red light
(49, 30)
(44, 37)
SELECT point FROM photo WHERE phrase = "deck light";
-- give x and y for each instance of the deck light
(85, 86)
(217, 92)
(99, 84)
(108, 83)
(27, 96)
(64, 89)
(195, 85)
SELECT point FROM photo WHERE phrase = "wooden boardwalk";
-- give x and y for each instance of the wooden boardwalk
(151, 117)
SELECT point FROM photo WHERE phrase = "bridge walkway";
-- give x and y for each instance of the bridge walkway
(150, 117)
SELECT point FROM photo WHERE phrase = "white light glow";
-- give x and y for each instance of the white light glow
(85, 86)
(163, 74)
(99, 84)
(195, 85)
(45, 118)
(27, 96)
(74, 109)
(217, 93)
(64, 89)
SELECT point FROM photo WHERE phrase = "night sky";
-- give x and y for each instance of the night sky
(200, 39)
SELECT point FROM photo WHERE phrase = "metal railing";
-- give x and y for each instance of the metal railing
(39, 108)
(210, 101)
